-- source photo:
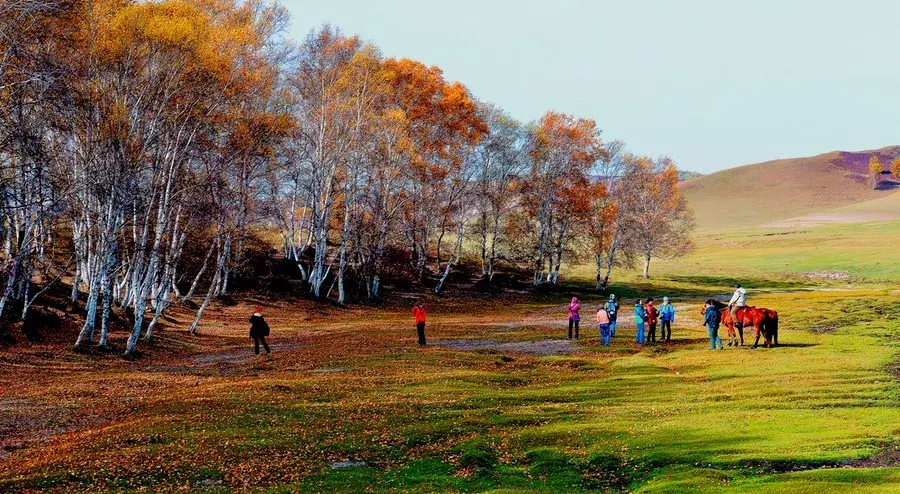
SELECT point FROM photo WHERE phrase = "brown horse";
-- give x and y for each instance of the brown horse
(764, 322)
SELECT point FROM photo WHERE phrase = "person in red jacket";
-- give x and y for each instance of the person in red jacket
(419, 312)
(652, 319)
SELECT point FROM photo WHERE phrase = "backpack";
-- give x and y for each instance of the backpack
(265, 328)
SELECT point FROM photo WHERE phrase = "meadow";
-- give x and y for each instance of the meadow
(348, 403)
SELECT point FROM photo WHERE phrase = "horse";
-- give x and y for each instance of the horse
(764, 322)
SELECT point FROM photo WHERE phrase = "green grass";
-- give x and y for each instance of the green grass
(777, 258)
(677, 418)
(674, 419)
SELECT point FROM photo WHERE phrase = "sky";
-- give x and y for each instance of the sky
(711, 83)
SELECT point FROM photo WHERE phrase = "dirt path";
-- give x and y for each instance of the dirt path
(239, 355)
(536, 347)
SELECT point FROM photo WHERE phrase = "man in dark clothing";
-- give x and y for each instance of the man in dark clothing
(259, 329)
(711, 319)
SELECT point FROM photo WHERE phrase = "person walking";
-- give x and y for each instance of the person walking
(259, 329)
(419, 312)
(666, 318)
(603, 322)
(738, 301)
(652, 320)
(640, 316)
(612, 307)
(712, 318)
(574, 317)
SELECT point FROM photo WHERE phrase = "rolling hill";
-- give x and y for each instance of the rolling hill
(794, 191)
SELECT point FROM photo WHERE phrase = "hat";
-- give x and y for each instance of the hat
(665, 299)
(737, 285)
(258, 310)
(612, 296)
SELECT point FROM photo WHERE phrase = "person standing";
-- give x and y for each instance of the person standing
(612, 307)
(259, 329)
(603, 324)
(666, 318)
(574, 317)
(419, 312)
(652, 320)
(640, 315)
(738, 300)
(712, 317)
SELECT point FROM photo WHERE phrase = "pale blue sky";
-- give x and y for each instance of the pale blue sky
(714, 84)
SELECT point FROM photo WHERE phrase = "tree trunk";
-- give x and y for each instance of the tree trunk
(453, 258)
(493, 255)
(647, 266)
(212, 288)
(611, 258)
(190, 292)
(342, 262)
(484, 242)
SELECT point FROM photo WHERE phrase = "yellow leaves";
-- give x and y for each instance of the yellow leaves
(177, 25)
(205, 38)
(171, 24)
(875, 165)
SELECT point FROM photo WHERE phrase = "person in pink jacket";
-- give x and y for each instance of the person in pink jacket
(603, 321)
(574, 317)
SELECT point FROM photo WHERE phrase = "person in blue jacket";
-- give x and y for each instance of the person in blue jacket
(612, 307)
(666, 318)
(640, 317)
(711, 319)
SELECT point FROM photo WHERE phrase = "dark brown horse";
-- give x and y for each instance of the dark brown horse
(764, 323)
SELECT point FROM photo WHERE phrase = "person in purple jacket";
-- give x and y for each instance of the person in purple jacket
(574, 317)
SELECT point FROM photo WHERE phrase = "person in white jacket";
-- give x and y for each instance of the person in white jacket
(738, 300)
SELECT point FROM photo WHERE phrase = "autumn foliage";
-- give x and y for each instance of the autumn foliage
(876, 169)
(148, 144)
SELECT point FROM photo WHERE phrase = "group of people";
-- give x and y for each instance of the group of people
(646, 316)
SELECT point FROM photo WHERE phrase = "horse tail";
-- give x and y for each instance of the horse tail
(773, 323)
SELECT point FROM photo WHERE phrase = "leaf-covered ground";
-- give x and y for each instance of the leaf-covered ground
(349, 403)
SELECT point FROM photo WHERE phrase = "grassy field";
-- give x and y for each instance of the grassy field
(348, 403)
(820, 412)
(839, 255)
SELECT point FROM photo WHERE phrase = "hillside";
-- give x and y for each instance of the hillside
(774, 191)
(881, 209)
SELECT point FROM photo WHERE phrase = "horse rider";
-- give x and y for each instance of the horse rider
(738, 300)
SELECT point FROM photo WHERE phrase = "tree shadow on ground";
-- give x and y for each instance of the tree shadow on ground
(699, 287)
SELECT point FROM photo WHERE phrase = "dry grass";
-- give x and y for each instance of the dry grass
(352, 385)
(759, 194)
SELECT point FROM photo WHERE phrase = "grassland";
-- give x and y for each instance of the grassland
(836, 256)
(668, 418)
(348, 403)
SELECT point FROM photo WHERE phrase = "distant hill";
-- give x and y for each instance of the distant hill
(770, 193)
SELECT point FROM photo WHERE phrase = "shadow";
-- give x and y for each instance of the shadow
(728, 282)
(796, 345)
(887, 182)
(696, 287)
